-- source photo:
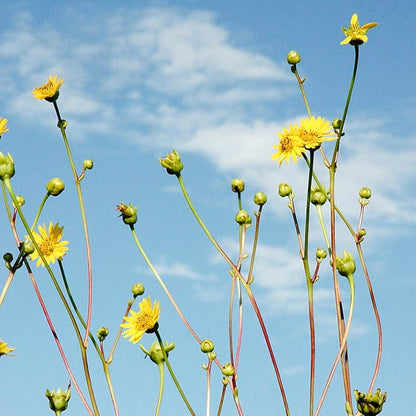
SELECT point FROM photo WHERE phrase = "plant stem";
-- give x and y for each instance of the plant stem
(161, 384)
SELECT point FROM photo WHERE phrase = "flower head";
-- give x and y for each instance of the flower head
(313, 131)
(3, 126)
(58, 400)
(137, 323)
(290, 145)
(370, 404)
(5, 349)
(49, 244)
(356, 34)
(172, 163)
(50, 90)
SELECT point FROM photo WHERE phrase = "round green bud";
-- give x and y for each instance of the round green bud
(20, 200)
(237, 185)
(362, 232)
(365, 193)
(137, 289)
(28, 248)
(8, 257)
(87, 164)
(102, 333)
(284, 190)
(317, 196)
(260, 198)
(320, 253)
(62, 124)
(172, 163)
(227, 370)
(6, 166)
(346, 265)
(242, 217)
(55, 186)
(293, 58)
(58, 401)
(336, 123)
(207, 346)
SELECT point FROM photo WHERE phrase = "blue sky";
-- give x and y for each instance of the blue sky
(209, 79)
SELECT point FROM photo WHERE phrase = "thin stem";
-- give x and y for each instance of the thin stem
(220, 404)
(302, 90)
(161, 385)
(208, 370)
(172, 374)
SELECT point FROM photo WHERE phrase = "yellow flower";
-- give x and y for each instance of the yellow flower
(290, 145)
(49, 244)
(137, 323)
(3, 127)
(313, 131)
(356, 34)
(50, 90)
(5, 349)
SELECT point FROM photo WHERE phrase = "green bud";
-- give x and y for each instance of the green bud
(155, 352)
(207, 346)
(346, 265)
(293, 58)
(55, 186)
(212, 355)
(237, 185)
(365, 193)
(128, 213)
(87, 164)
(6, 166)
(20, 200)
(284, 190)
(62, 124)
(242, 217)
(260, 198)
(336, 123)
(317, 196)
(58, 401)
(361, 234)
(172, 163)
(102, 333)
(320, 254)
(8, 257)
(227, 370)
(28, 248)
(370, 404)
(137, 289)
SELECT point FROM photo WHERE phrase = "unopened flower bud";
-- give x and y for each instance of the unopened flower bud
(137, 289)
(346, 265)
(320, 254)
(8, 257)
(227, 370)
(362, 232)
(237, 185)
(172, 163)
(128, 213)
(28, 248)
(242, 217)
(87, 164)
(260, 198)
(58, 401)
(55, 186)
(317, 196)
(20, 199)
(207, 346)
(336, 123)
(293, 58)
(155, 352)
(212, 355)
(102, 333)
(365, 193)
(370, 404)
(284, 190)
(6, 166)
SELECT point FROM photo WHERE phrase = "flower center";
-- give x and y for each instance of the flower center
(46, 246)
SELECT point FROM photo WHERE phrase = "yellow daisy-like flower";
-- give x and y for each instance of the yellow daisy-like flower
(5, 349)
(290, 145)
(3, 126)
(50, 90)
(313, 131)
(356, 34)
(137, 323)
(49, 244)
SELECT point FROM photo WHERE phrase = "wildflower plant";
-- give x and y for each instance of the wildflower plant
(310, 141)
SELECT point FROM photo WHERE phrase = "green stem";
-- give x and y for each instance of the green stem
(161, 384)
(172, 374)
(302, 90)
